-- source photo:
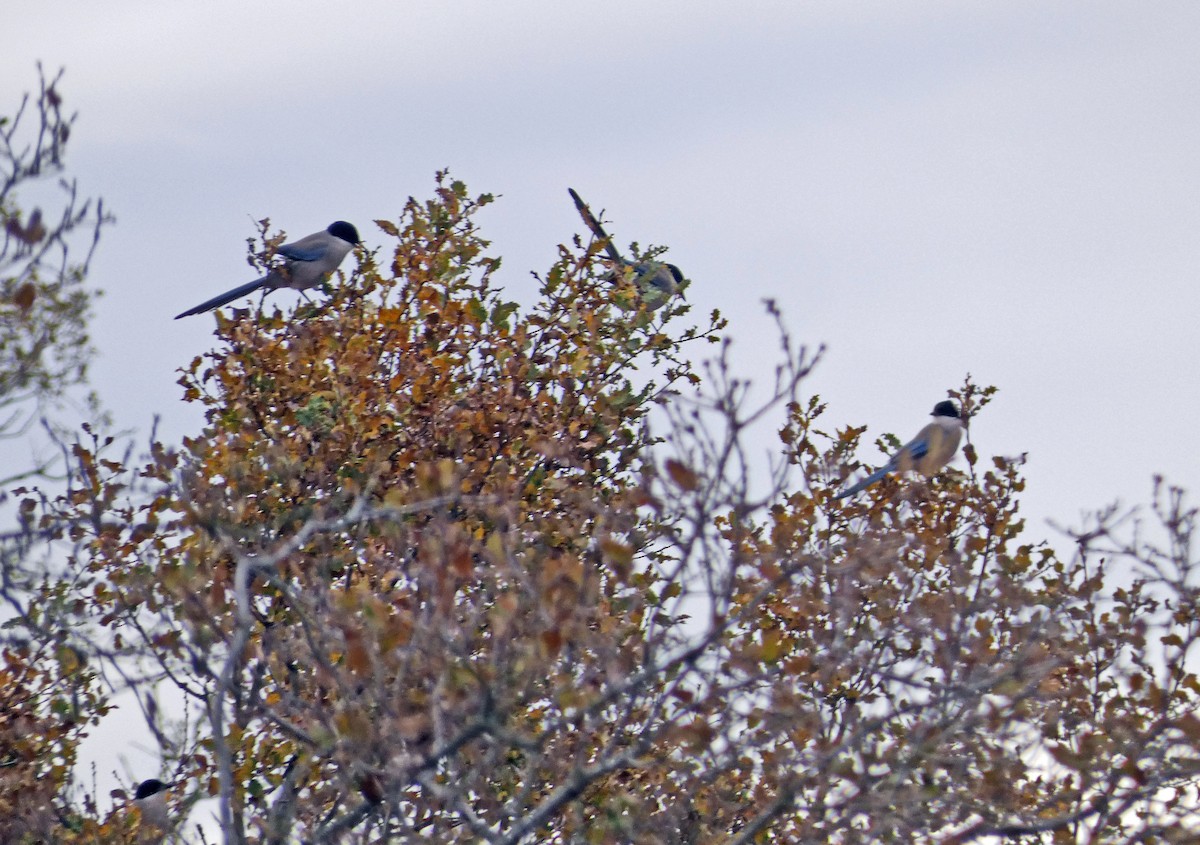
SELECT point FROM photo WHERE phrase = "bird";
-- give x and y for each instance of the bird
(307, 263)
(926, 453)
(656, 281)
(151, 799)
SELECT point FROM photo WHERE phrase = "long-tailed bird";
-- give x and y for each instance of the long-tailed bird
(307, 263)
(656, 281)
(926, 453)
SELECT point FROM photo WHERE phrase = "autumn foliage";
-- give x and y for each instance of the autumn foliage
(442, 567)
(49, 694)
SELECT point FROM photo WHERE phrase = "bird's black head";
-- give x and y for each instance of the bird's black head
(677, 273)
(946, 408)
(345, 231)
(149, 787)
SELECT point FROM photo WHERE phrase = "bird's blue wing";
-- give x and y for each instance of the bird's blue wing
(297, 252)
(918, 449)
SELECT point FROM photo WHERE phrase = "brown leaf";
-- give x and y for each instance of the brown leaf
(683, 477)
(24, 296)
(552, 641)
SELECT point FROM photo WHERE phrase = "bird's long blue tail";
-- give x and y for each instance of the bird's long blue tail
(594, 225)
(866, 482)
(228, 296)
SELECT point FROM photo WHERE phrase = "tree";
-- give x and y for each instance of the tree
(44, 347)
(48, 695)
(440, 568)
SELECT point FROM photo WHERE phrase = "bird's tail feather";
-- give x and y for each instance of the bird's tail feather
(865, 483)
(228, 296)
(594, 225)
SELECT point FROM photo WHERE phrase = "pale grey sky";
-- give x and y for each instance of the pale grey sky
(930, 189)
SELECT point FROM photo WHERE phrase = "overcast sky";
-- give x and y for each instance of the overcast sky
(930, 189)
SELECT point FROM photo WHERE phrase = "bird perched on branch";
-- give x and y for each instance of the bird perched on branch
(926, 453)
(151, 800)
(656, 281)
(307, 263)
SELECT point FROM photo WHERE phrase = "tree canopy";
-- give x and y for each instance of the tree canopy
(446, 567)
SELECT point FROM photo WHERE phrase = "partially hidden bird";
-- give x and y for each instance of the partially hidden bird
(926, 453)
(307, 263)
(656, 281)
(151, 799)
